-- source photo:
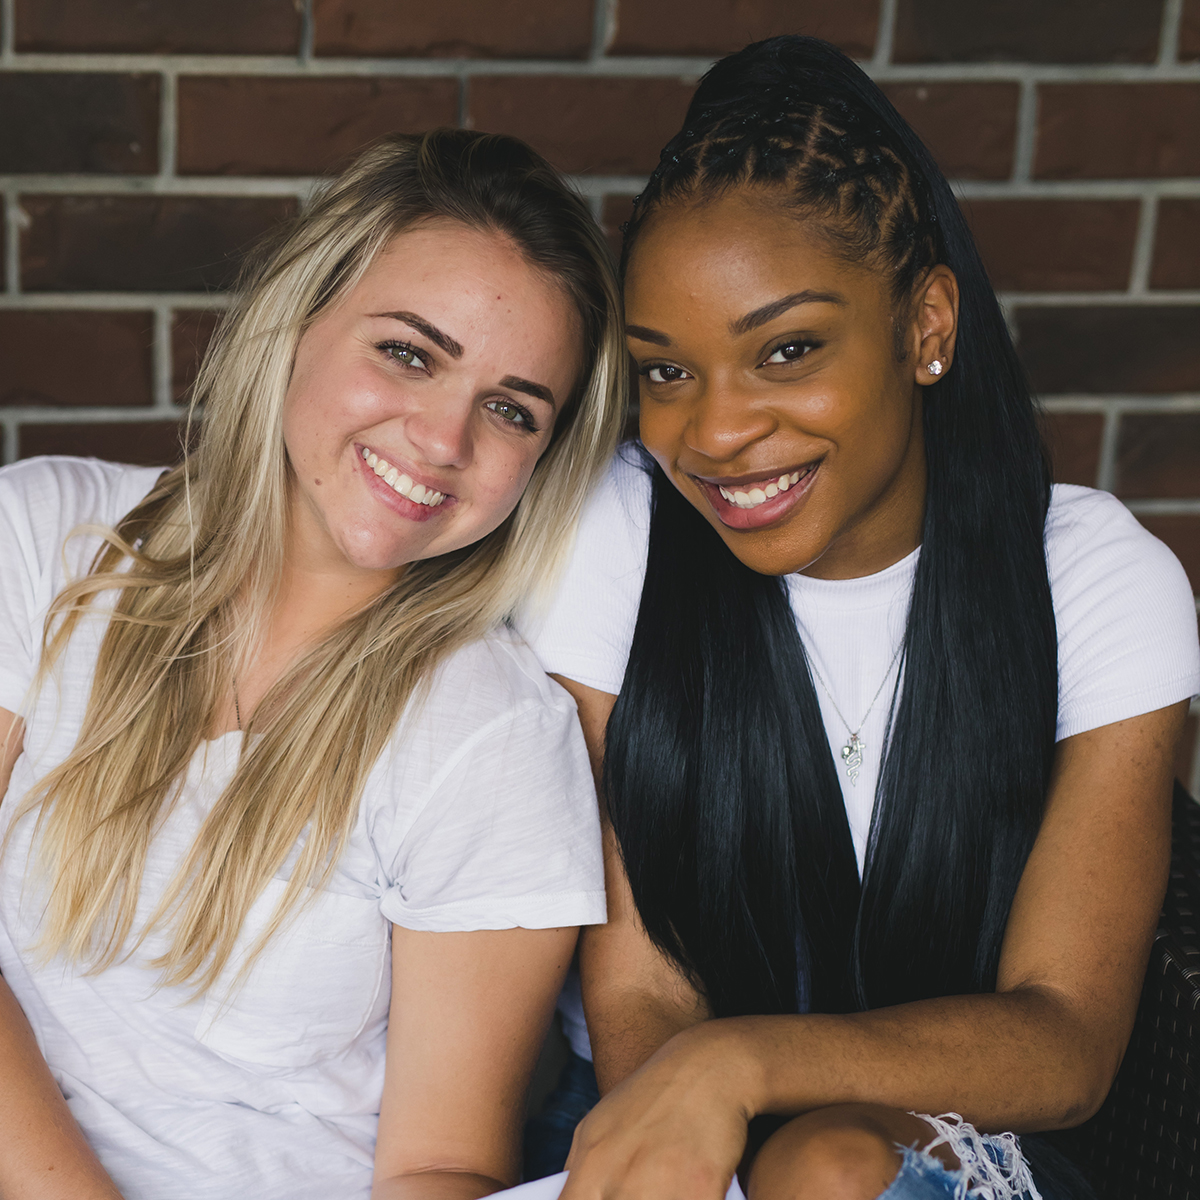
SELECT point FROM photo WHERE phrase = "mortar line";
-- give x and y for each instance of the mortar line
(12, 242)
(1164, 508)
(1143, 247)
(1168, 38)
(168, 116)
(8, 31)
(620, 66)
(115, 301)
(1026, 139)
(74, 415)
(885, 36)
(304, 54)
(8, 425)
(464, 101)
(604, 28)
(1106, 472)
(162, 355)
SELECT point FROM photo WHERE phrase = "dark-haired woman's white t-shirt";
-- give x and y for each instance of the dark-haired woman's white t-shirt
(1124, 609)
(479, 814)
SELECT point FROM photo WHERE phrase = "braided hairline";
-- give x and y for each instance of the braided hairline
(834, 165)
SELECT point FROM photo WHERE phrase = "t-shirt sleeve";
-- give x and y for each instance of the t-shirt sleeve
(42, 500)
(510, 833)
(585, 630)
(1125, 612)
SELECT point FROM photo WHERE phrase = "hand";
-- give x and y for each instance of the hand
(673, 1130)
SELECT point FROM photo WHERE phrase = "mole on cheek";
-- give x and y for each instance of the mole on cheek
(317, 482)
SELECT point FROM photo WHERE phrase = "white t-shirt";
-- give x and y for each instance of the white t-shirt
(480, 814)
(1126, 620)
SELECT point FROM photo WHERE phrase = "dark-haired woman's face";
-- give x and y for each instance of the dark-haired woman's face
(772, 390)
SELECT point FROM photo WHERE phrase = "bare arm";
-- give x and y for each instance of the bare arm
(1040, 1053)
(469, 1012)
(43, 1153)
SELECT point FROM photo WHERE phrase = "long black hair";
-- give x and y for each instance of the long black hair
(719, 778)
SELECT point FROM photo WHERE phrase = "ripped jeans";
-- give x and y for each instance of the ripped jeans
(992, 1167)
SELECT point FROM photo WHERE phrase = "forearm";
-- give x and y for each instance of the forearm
(1020, 1060)
(436, 1185)
(43, 1153)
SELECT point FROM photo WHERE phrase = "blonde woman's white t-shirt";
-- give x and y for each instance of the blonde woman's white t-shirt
(480, 814)
(1123, 607)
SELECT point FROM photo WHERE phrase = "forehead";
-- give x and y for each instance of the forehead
(727, 255)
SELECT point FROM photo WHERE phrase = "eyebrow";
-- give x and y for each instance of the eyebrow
(538, 390)
(443, 341)
(768, 312)
(752, 320)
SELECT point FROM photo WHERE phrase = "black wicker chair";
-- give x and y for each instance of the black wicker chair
(1144, 1143)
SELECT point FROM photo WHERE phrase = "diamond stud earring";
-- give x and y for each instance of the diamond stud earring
(934, 368)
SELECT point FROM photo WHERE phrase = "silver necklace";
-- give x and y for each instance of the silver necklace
(852, 751)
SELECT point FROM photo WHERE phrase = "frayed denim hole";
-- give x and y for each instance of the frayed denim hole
(923, 1177)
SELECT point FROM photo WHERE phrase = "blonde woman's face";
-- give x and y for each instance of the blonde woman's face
(420, 403)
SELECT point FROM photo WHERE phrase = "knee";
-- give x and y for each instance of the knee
(831, 1154)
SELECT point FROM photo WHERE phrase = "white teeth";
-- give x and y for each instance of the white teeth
(760, 495)
(418, 493)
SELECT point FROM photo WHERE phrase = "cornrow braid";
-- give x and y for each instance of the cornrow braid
(837, 165)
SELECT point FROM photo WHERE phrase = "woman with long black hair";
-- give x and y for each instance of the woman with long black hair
(888, 774)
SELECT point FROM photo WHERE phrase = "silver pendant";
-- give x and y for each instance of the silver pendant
(852, 756)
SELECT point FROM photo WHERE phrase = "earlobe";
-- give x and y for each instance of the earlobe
(938, 316)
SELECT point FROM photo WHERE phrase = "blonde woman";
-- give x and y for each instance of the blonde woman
(296, 835)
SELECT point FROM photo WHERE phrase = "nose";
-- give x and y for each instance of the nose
(441, 430)
(722, 420)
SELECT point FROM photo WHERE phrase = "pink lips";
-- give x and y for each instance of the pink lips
(763, 514)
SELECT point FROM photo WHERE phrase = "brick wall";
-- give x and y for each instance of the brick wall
(144, 143)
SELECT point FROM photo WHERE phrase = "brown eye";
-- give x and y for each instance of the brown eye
(664, 373)
(789, 352)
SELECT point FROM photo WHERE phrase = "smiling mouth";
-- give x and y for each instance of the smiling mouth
(753, 495)
(400, 483)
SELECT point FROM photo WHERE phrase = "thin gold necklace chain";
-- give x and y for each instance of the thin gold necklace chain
(237, 708)
(852, 751)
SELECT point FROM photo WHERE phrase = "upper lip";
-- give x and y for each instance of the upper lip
(405, 468)
(753, 477)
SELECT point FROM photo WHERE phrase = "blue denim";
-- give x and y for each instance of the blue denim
(922, 1177)
(548, 1134)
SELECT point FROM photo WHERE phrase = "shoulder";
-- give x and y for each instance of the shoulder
(54, 494)
(1095, 545)
(585, 627)
(1124, 609)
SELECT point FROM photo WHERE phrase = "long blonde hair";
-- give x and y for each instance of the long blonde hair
(195, 566)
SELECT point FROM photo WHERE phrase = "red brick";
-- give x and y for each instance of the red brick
(1073, 440)
(616, 211)
(74, 358)
(1189, 31)
(191, 332)
(1065, 31)
(602, 126)
(146, 443)
(970, 128)
(454, 28)
(246, 125)
(1177, 245)
(1158, 456)
(159, 26)
(75, 121)
(1182, 533)
(1111, 348)
(1055, 245)
(1118, 130)
(140, 243)
(713, 27)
